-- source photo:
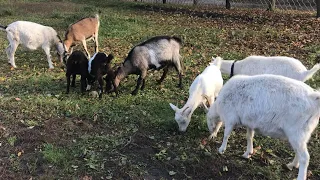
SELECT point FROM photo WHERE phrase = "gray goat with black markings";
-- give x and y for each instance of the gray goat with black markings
(159, 52)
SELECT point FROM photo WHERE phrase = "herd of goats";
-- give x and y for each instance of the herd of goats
(264, 94)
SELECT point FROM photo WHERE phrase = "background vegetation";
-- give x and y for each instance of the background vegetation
(47, 134)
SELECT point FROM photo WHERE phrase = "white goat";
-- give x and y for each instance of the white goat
(278, 65)
(273, 105)
(83, 30)
(204, 88)
(32, 36)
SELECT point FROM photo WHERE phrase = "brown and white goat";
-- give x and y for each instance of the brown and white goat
(83, 30)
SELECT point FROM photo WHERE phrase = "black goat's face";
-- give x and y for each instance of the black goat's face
(65, 56)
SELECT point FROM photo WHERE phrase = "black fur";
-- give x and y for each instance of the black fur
(232, 69)
(100, 66)
(3, 27)
(77, 63)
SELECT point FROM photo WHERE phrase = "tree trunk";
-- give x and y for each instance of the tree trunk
(195, 2)
(318, 8)
(228, 5)
(271, 5)
(164, 1)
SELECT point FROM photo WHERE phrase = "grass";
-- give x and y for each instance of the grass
(47, 134)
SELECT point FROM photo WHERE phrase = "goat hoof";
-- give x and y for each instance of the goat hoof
(134, 93)
(246, 155)
(289, 166)
(211, 137)
(221, 150)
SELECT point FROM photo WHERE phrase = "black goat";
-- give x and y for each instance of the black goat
(77, 63)
(99, 65)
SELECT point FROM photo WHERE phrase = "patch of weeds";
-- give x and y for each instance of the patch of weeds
(6, 12)
(11, 140)
(15, 162)
(92, 159)
(54, 155)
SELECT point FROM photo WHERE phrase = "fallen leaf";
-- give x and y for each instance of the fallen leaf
(225, 169)
(19, 153)
(204, 141)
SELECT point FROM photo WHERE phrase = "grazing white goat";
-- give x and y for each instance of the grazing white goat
(278, 65)
(272, 105)
(204, 88)
(32, 36)
(83, 30)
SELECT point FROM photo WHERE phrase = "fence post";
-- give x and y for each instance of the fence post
(271, 5)
(164, 1)
(228, 5)
(318, 8)
(195, 2)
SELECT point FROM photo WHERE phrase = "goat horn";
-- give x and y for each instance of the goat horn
(185, 109)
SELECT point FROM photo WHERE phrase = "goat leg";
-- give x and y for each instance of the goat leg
(73, 83)
(180, 81)
(115, 88)
(100, 80)
(164, 75)
(83, 84)
(68, 82)
(143, 83)
(135, 91)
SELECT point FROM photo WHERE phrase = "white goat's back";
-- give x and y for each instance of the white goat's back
(274, 105)
(209, 82)
(278, 65)
(30, 34)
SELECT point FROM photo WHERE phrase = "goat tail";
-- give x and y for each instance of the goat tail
(308, 74)
(97, 16)
(179, 40)
(217, 62)
(316, 97)
(3, 27)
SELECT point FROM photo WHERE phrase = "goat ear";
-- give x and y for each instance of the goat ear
(109, 58)
(175, 108)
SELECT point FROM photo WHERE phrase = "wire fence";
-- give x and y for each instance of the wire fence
(306, 5)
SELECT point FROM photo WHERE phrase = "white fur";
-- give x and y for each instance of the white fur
(273, 105)
(32, 36)
(206, 85)
(153, 59)
(278, 65)
(90, 62)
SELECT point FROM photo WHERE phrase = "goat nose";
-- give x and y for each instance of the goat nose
(182, 130)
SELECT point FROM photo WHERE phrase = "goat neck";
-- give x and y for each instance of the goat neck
(226, 66)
